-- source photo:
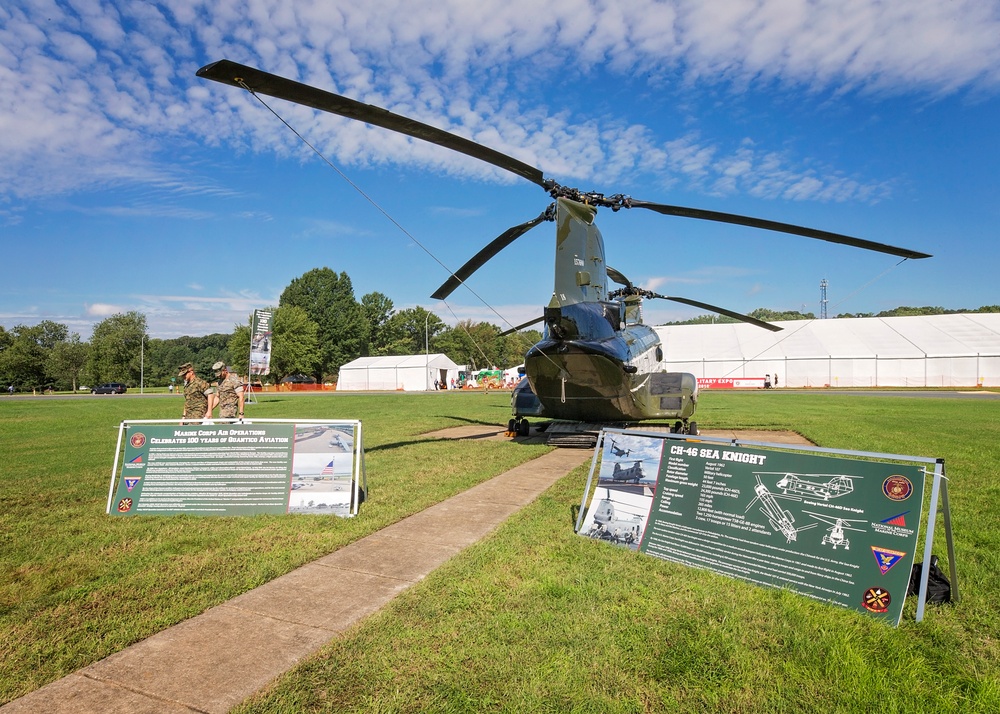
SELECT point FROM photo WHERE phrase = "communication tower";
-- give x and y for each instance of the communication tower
(822, 299)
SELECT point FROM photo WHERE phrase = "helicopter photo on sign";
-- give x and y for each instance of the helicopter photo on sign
(625, 489)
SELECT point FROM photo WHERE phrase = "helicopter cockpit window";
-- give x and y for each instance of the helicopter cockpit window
(633, 313)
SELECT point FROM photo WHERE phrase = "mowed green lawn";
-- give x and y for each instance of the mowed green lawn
(533, 618)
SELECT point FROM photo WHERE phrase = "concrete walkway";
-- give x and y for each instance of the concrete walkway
(216, 660)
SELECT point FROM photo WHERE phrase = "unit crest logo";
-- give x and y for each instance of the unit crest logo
(137, 440)
(876, 600)
(897, 488)
(125, 505)
(886, 558)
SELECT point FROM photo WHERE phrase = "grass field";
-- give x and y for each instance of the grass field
(533, 618)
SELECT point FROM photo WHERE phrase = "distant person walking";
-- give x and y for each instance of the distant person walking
(229, 396)
(197, 393)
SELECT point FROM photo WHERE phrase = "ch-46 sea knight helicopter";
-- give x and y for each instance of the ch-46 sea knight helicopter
(597, 362)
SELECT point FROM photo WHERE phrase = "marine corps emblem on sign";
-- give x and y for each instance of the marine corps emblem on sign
(876, 600)
(897, 488)
(137, 440)
(125, 505)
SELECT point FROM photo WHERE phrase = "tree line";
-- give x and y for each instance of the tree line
(318, 325)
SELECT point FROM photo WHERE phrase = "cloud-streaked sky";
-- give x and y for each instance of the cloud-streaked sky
(127, 183)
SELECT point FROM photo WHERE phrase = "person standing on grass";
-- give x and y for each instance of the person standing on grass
(230, 394)
(197, 393)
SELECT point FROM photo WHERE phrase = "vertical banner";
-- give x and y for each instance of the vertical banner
(840, 530)
(260, 342)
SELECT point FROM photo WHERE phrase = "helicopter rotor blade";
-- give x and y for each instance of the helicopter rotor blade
(495, 246)
(776, 226)
(722, 311)
(618, 277)
(258, 81)
(520, 327)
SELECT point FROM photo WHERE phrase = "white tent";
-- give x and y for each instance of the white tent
(961, 350)
(411, 373)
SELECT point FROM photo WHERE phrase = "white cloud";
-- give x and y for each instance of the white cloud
(102, 310)
(91, 92)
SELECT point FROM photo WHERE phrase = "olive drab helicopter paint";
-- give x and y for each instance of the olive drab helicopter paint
(597, 362)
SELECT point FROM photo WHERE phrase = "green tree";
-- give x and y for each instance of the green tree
(514, 346)
(413, 332)
(66, 361)
(22, 363)
(328, 300)
(294, 344)
(26, 351)
(762, 313)
(904, 311)
(115, 348)
(475, 344)
(379, 310)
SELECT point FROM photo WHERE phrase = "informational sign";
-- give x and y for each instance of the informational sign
(730, 382)
(236, 469)
(841, 530)
(260, 342)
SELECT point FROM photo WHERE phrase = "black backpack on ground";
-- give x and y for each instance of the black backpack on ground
(938, 586)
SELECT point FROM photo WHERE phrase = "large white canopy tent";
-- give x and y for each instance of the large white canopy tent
(410, 373)
(961, 350)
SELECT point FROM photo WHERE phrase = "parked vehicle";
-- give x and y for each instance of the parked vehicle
(110, 388)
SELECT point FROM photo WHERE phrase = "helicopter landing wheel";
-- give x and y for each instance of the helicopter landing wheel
(692, 428)
(523, 427)
(512, 426)
(676, 428)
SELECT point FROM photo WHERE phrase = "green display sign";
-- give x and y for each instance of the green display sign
(237, 469)
(841, 530)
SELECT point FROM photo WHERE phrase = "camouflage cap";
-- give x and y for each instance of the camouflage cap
(184, 369)
(219, 366)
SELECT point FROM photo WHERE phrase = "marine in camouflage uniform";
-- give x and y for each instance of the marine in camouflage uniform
(229, 396)
(197, 393)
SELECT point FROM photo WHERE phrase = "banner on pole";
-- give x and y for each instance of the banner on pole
(238, 469)
(260, 342)
(841, 530)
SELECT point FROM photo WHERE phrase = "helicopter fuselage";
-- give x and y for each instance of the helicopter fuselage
(597, 361)
(615, 377)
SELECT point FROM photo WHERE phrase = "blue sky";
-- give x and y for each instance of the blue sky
(127, 183)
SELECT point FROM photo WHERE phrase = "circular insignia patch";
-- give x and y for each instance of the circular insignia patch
(897, 488)
(137, 440)
(876, 600)
(125, 505)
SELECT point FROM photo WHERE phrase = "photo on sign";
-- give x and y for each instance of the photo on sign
(630, 464)
(617, 517)
(322, 469)
(625, 488)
